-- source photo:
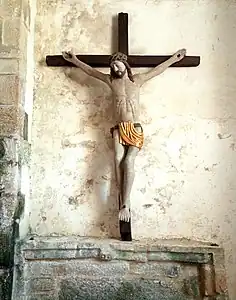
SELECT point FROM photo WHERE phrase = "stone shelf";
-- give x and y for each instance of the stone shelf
(92, 268)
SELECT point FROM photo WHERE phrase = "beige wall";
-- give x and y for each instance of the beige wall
(185, 184)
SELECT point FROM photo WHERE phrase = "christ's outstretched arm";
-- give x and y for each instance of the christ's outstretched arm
(71, 57)
(142, 78)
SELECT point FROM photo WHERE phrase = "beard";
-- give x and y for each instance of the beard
(117, 75)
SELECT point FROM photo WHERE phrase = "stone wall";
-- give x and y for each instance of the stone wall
(15, 34)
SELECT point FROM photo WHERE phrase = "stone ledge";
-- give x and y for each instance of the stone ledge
(108, 249)
(74, 242)
(84, 267)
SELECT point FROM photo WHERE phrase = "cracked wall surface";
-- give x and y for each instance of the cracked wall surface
(185, 174)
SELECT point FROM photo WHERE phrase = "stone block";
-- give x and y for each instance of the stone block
(9, 89)
(155, 269)
(9, 147)
(12, 8)
(11, 32)
(42, 297)
(9, 52)
(72, 268)
(207, 276)
(126, 289)
(8, 66)
(220, 273)
(40, 285)
(11, 120)
(4, 284)
(8, 165)
(9, 183)
(178, 256)
(5, 242)
(72, 254)
(131, 256)
(8, 204)
(45, 269)
(8, 120)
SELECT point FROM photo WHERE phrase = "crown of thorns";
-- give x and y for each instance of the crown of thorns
(118, 56)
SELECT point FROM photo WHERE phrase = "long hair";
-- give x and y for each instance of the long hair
(123, 58)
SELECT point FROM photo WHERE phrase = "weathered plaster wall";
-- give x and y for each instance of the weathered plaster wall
(185, 184)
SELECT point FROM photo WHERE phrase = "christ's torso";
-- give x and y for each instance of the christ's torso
(125, 94)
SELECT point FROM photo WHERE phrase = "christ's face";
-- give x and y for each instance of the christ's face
(119, 68)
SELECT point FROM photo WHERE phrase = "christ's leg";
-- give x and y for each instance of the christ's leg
(119, 156)
(124, 214)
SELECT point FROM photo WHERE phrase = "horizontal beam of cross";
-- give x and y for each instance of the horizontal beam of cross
(135, 61)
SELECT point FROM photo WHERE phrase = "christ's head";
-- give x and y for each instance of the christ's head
(119, 66)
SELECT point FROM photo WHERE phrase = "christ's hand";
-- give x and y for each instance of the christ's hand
(179, 55)
(69, 56)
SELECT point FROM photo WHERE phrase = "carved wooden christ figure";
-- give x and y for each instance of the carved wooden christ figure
(127, 132)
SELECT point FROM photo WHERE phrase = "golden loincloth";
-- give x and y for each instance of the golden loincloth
(129, 136)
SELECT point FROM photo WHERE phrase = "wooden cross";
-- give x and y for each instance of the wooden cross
(134, 61)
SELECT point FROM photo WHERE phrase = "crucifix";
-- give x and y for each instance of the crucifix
(127, 133)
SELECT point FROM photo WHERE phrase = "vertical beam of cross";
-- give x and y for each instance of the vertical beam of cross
(123, 33)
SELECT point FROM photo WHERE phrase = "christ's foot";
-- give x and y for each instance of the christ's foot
(124, 214)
